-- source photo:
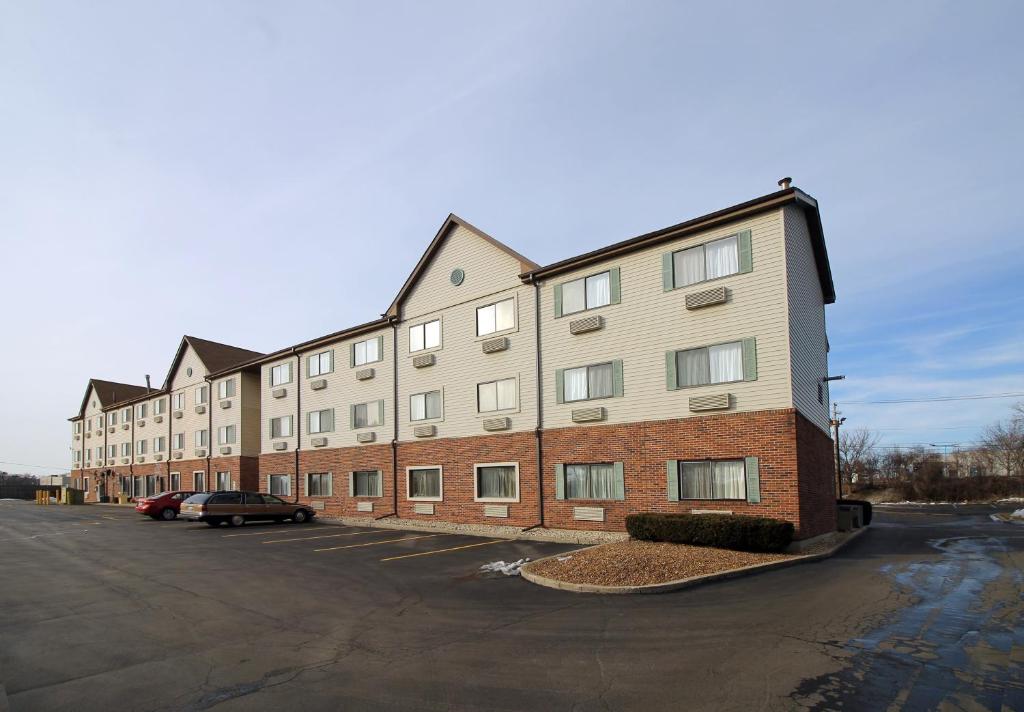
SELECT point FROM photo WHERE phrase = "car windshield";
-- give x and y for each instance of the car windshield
(197, 498)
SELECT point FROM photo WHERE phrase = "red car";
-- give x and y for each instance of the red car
(164, 505)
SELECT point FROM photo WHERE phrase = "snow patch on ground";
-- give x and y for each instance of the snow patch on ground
(500, 567)
(1019, 513)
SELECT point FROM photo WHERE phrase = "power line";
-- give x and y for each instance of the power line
(936, 399)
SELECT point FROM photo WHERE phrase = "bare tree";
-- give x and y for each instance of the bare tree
(857, 454)
(1004, 443)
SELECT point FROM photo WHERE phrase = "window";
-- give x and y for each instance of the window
(140, 410)
(226, 498)
(199, 481)
(201, 395)
(111, 451)
(712, 260)
(99, 452)
(111, 418)
(226, 435)
(179, 401)
(126, 415)
(368, 415)
(78, 427)
(140, 447)
(319, 484)
(590, 481)
(281, 485)
(159, 444)
(201, 438)
(281, 427)
(281, 374)
(588, 382)
(711, 364)
(425, 336)
(587, 293)
(497, 482)
(425, 483)
(319, 364)
(126, 449)
(223, 480)
(175, 481)
(77, 455)
(496, 395)
(712, 479)
(99, 421)
(226, 389)
(178, 441)
(159, 406)
(496, 317)
(367, 351)
(425, 406)
(366, 484)
(257, 498)
(321, 421)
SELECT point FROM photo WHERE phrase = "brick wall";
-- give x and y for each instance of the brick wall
(187, 468)
(457, 457)
(816, 466)
(245, 472)
(644, 448)
(340, 462)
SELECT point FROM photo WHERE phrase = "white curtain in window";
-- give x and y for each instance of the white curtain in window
(497, 482)
(371, 352)
(730, 482)
(573, 297)
(602, 481)
(722, 257)
(432, 334)
(485, 320)
(689, 266)
(726, 361)
(598, 290)
(434, 404)
(416, 338)
(695, 482)
(575, 384)
(418, 407)
(576, 481)
(505, 316)
(692, 367)
(506, 393)
(425, 483)
(487, 395)
(600, 378)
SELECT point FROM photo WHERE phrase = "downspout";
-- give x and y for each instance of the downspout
(539, 431)
(209, 423)
(394, 439)
(131, 448)
(298, 418)
(170, 436)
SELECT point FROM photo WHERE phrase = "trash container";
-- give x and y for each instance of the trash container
(849, 517)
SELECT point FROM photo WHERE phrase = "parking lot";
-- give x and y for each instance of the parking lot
(105, 609)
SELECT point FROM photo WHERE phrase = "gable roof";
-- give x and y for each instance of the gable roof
(314, 343)
(434, 247)
(789, 196)
(110, 393)
(215, 356)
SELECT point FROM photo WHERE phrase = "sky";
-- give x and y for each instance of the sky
(263, 173)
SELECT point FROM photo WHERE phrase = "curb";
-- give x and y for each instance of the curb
(679, 584)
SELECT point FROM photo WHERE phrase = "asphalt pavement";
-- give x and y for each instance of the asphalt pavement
(101, 609)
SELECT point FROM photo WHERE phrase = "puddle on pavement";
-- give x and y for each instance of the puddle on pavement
(958, 645)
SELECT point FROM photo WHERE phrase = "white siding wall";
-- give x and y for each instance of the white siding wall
(271, 407)
(343, 390)
(190, 421)
(649, 321)
(491, 275)
(232, 415)
(808, 341)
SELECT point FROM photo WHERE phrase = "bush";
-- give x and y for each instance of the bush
(933, 487)
(725, 531)
(864, 504)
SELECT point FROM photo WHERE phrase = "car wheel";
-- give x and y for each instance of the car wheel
(168, 514)
(236, 520)
(300, 517)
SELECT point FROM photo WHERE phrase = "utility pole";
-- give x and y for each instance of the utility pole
(835, 422)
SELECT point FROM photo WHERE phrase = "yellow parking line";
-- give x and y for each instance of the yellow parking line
(386, 541)
(325, 536)
(259, 533)
(441, 551)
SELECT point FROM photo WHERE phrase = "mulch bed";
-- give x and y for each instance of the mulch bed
(637, 563)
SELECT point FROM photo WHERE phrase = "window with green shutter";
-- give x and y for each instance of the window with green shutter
(586, 293)
(730, 362)
(590, 481)
(601, 380)
(708, 261)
